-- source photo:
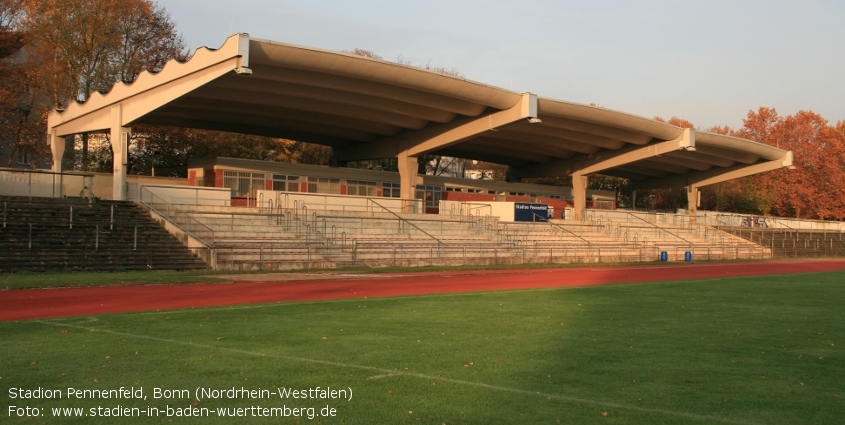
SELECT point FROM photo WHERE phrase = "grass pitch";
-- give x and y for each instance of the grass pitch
(759, 350)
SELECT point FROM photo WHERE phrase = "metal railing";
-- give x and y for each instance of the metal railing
(662, 232)
(333, 237)
(336, 202)
(178, 217)
(569, 232)
(407, 222)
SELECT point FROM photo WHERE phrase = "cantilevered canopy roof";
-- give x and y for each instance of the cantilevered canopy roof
(367, 108)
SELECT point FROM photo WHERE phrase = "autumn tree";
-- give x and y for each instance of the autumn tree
(735, 195)
(22, 103)
(677, 122)
(815, 188)
(88, 45)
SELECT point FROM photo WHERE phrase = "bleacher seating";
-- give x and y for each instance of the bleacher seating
(250, 238)
(40, 234)
(793, 243)
(75, 234)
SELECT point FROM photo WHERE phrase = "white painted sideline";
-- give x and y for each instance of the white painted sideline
(386, 373)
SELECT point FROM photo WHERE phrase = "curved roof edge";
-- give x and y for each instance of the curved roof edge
(366, 106)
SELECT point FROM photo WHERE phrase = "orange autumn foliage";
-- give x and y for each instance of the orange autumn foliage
(816, 187)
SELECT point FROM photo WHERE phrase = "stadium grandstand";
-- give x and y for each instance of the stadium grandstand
(242, 214)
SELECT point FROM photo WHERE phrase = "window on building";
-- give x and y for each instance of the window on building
(431, 195)
(361, 188)
(285, 183)
(323, 185)
(243, 184)
(390, 190)
(603, 204)
(23, 159)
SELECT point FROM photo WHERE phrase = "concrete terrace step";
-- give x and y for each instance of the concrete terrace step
(378, 237)
(43, 234)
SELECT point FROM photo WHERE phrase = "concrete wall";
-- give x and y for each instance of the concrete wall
(41, 183)
(190, 195)
(313, 201)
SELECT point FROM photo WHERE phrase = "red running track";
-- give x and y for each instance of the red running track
(45, 303)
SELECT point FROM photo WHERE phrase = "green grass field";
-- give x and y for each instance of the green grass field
(762, 350)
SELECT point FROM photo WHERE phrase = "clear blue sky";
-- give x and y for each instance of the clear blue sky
(707, 61)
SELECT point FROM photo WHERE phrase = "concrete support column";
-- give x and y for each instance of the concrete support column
(579, 192)
(408, 179)
(57, 146)
(120, 146)
(692, 202)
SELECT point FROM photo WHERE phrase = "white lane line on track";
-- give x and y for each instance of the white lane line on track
(385, 373)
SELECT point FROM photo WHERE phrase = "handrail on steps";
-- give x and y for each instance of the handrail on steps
(404, 220)
(659, 228)
(558, 226)
(167, 215)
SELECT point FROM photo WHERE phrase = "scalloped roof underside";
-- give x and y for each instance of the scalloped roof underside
(268, 88)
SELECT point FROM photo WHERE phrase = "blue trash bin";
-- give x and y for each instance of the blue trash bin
(664, 256)
(688, 256)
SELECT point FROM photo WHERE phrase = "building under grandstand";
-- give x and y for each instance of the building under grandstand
(246, 177)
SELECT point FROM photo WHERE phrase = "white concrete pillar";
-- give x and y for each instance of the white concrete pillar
(693, 195)
(57, 146)
(408, 179)
(579, 192)
(119, 141)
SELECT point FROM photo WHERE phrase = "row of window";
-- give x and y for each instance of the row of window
(245, 184)
(493, 192)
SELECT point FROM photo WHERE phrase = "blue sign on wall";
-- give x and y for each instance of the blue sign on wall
(523, 211)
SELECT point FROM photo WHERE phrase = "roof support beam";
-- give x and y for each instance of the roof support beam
(713, 176)
(408, 146)
(435, 137)
(606, 160)
(152, 91)
(525, 109)
(141, 104)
